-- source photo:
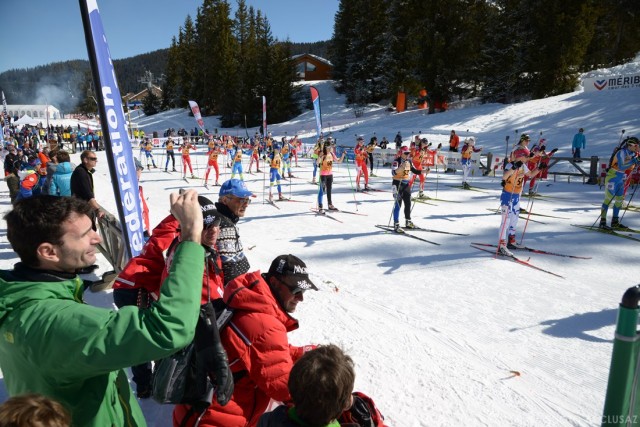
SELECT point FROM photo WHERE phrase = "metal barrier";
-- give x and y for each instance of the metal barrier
(589, 175)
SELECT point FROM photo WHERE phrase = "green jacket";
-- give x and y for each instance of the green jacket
(53, 344)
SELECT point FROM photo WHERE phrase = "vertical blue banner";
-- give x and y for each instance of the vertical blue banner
(315, 98)
(112, 120)
(264, 116)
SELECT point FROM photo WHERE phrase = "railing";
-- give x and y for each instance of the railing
(589, 172)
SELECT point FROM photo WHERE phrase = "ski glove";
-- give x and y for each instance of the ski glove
(503, 182)
(554, 151)
(543, 147)
(517, 165)
(395, 191)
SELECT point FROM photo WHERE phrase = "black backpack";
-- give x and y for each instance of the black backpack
(184, 377)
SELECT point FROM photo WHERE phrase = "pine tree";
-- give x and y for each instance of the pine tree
(170, 83)
(151, 104)
(187, 54)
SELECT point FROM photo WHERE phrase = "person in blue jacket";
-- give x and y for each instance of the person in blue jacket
(61, 180)
(579, 143)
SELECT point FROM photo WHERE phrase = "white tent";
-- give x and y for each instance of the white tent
(26, 120)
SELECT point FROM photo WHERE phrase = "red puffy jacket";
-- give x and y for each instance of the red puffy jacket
(149, 269)
(259, 354)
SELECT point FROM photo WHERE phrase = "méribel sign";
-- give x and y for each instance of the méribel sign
(615, 82)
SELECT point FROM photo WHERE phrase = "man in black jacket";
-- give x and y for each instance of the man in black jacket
(82, 181)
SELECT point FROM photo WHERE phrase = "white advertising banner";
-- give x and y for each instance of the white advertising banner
(617, 82)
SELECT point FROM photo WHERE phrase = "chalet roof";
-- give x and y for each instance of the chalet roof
(317, 58)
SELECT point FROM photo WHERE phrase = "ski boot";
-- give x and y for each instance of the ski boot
(512, 244)
(332, 208)
(281, 197)
(367, 188)
(409, 224)
(466, 186)
(193, 176)
(174, 170)
(617, 225)
(320, 210)
(165, 169)
(502, 249)
(421, 195)
(396, 228)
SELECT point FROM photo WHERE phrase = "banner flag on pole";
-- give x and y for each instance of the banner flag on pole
(112, 120)
(196, 114)
(315, 98)
(264, 116)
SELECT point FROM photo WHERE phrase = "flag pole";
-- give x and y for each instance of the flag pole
(113, 123)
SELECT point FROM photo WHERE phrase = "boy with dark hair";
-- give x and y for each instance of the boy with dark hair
(320, 383)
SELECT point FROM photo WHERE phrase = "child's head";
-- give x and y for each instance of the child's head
(33, 410)
(321, 383)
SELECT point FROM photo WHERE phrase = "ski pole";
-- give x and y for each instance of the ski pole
(353, 190)
(529, 209)
(629, 202)
(621, 135)
(396, 198)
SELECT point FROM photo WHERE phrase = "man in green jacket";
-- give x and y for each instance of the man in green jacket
(53, 344)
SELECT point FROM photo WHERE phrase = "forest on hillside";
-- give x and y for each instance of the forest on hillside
(499, 50)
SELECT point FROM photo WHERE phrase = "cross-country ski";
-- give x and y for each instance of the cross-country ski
(517, 260)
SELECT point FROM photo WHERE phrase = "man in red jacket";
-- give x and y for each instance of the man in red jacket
(256, 342)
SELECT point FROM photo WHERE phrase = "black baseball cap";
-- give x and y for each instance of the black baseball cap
(292, 271)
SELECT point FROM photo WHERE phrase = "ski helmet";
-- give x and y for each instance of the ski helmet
(631, 140)
(525, 137)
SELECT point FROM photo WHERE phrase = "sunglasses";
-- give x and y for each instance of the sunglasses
(243, 200)
(293, 289)
(93, 159)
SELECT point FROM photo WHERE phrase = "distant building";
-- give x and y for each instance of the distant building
(37, 112)
(135, 100)
(312, 67)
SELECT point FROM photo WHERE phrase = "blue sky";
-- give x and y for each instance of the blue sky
(44, 31)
